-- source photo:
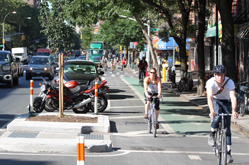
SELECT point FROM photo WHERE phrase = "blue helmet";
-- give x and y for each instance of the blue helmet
(219, 69)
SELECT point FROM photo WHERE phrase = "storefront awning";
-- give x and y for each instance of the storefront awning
(169, 45)
(244, 32)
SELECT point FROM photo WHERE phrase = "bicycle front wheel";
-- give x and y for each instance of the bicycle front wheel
(217, 148)
(224, 149)
(149, 124)
(243, 106)
(154, 123)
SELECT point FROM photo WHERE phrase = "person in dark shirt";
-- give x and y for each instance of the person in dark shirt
(142, 68)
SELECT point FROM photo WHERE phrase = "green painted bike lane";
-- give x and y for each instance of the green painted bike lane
(182, 116)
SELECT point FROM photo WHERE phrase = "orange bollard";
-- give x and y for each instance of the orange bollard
(99, 65)
(96, 98)
(31, 96)
(80, 151)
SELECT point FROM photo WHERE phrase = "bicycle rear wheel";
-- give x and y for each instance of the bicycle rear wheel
(154, 122)
(149, 125)
(142, 80)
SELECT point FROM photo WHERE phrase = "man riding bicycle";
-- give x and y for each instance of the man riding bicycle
(142, 68)
(221, 99)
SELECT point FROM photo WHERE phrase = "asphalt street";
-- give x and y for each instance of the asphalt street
(182, 136)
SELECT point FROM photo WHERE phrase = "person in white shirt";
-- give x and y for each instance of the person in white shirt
(221, 99)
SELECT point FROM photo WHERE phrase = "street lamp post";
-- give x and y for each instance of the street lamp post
(3, 26)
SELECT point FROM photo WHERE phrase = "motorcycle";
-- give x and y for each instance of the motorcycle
(102, 90)
(78, 98)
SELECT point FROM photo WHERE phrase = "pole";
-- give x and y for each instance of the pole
(3, 35)
(31, 96)
(60, 85)
(96, 98)
(217, 35)
(80, 151)
(174, 52)
(148, 47)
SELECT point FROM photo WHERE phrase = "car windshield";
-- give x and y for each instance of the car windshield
(4, 57)
(43, 53)
(79, 69)
(39, 61)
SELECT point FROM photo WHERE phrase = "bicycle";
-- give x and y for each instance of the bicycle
(152, 121)
(242, 97)
(141, 80)
(186, 83)
(220, 145)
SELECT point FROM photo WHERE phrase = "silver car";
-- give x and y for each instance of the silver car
(40, 66)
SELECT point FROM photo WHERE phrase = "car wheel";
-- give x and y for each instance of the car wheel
(10, 83)
(16, 81)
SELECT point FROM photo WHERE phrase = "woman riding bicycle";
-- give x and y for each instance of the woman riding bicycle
(152, 86)
(221, 99)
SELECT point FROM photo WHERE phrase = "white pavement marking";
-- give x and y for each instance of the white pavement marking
(5, 119)
(129, 106)
(194, 157)
(165, 126)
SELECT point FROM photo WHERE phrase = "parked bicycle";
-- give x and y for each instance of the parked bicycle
(152, 121)
(186, 83)
(220, 145)
(242, 97)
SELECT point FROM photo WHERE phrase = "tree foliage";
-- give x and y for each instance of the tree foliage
(53, 20)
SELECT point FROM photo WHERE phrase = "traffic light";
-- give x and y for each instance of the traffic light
(81, 36)
(120, 47)
(3, 40)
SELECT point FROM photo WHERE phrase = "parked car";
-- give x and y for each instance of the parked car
(83, 57)
(82, 71)
(40, 66)
(8, 69)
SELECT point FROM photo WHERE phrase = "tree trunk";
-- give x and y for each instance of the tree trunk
(228, 48)
(201, 6)
(153, 55)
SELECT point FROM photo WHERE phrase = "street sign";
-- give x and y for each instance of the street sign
(153, 29)
(1, 45)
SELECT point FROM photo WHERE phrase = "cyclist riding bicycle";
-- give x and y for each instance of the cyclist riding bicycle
(221, 99)
(142, 68)
(152, 86)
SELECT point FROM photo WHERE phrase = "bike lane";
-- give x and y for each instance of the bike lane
(182, 116)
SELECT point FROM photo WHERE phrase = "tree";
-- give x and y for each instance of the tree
(201, 8)
(227, 44)
(58, 31)
(87, 37)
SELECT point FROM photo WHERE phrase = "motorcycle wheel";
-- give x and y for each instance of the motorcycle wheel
(102, 103)
(37, 105)
(49, 108)
(83, 109)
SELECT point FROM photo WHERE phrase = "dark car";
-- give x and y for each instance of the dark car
(40, 66)
(82, 71)
(83, 57)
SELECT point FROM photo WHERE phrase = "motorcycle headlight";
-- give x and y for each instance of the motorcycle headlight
(6, 67)
(43, 88)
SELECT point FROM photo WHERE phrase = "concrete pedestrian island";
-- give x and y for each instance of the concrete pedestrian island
(60, 137)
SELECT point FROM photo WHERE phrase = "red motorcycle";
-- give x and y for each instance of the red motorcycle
(75, 96)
